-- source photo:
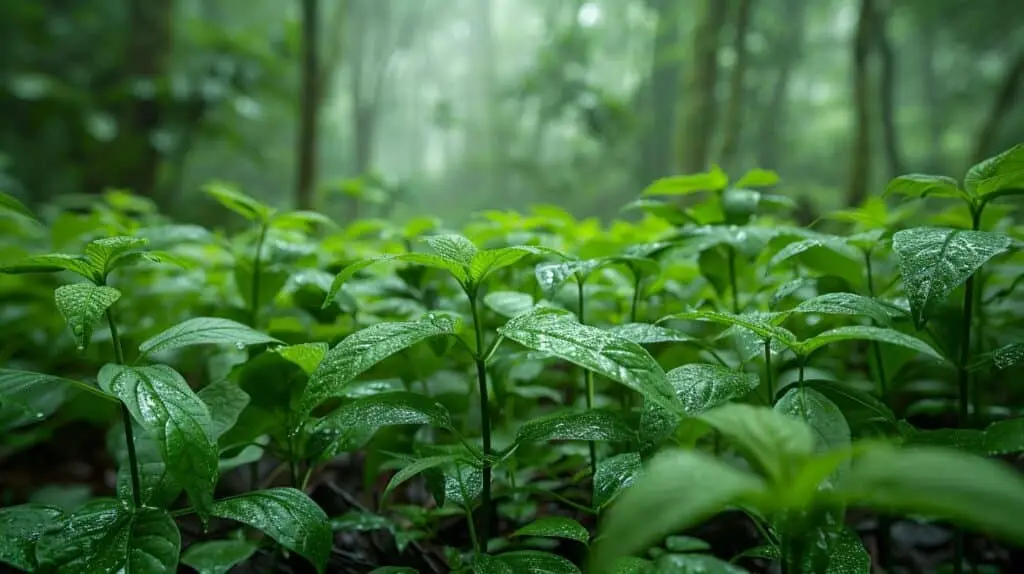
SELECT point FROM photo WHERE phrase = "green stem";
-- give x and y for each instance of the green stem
(768, 371)
(634, 308)
(257, 273)
(126, 418)
(485, 416)
(732, 282)
(588, 377)
(876, 347)
(472, 532)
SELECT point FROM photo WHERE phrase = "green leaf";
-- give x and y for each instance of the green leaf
(536, 561)
(306, 355)
(158, 486)
(453, 247)
(846, 304)
(703, 387)
(1003, 358)
(463, 483)
(20, 528)
(10, 204)
(366, 415)
(614, 474)
(82, 305)
(205, 331)
(1005, 437)
(103, 253)
(831, 431)
(758, 178)
(861, 409)
(238, 202)
(417, 467)
(768, 439)
(998, 175)
(27, 397)
(425, 259)
(964, 489)
(589, 425)
(52, 263)
(687, 563)
(301, 220)
(678, 489)
(755, 323)
(218, 556)
(935, 261)
(551, 275)
(608, 355)
(508, 303)
(648, 334)
(555, 527)
(865, 333)
(364, 349)
(713, 180)
(163, 404)
(678, 543)
(965, 440)
(630, 565)
(286, 515)
(486, 262)
(359, 521)
(923, 185)
(848, 555)
(106, 535)
(225, 400)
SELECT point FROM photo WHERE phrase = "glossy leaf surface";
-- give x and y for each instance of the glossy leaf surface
(205, 331)
(82, 305)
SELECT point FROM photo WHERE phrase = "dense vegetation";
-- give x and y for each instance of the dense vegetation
(537, 393)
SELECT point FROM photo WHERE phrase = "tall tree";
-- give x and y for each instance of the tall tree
(860, 158)
(1005, 99)
(737, 89)
(887, 85)
(661, 94)
(931, 95)
(787, 48)
(698, 122)
(310, 98)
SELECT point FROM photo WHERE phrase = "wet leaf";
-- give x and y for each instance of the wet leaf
(758, 178)
(702, 387)
(768, 439)
(106, 535)
(158, 486)
(364, 349)
(865, 333)
(483, 263)
(713, 180)
(964, 489)
(536, 561)
(935, 261)
(630, 565)
(420, 466)
(425, 259)
(680, 543)
(848, 555)
(218, 556)
(694, 564)
(614, 474)
(1005, 437)
(27, 398)
(835, 244)
(846, 304)
(359, 521)
(553, 274)
(225, 400)
(648, 334)
(82, 305)
(999, 175)
(463, 483)
(238, 202)
(306, 355)
(1002, 358)
(611, 356)
(161, 402)
(453, 247)
(52, 263)
(923, 185)
(103, 253)
(589, 425)
(678, 489)
(366, 415)
(205, 331)
(860, 408)
(555, 527)
(20, 528)
(286, 515)
(756, 323)
(831, 431)
(508, 303)
(10, 204)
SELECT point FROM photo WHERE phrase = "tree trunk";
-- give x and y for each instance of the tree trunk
(1004, 101)
(662, 95)
(310, 97)
(790, 45)
(887, 86)
(734, 112)
(930, 86)
(698, 123)
(483, 140)
(860, 164)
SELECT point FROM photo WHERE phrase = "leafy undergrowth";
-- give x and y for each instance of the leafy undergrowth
(709, 389)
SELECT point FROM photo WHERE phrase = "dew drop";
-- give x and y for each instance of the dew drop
(39, 416)
(240, 345)
(80, 348)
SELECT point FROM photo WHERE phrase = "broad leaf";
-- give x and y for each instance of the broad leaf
(306, 355)
(608, 355)
(648, 334)
(762, 328)
(486, 262)
(589, 425)
(702, 563)
(758, 178)
(846, 304)
(1003, 358)
(364, 349)
(218, 556)
(453, 247)
(555, 527)
(103, 253)
(463, 483)
(861, 409)
(935, 261)
(508, 303)
(20, 528)
(82, 305)
(865, 333)
(535, 561)
(1005, 437)
(106, 535)
(703, 387)
(831, 431)
(964, 489)
(158, 486)
(998, 175)
(205, 331)
(835, 244)
(238, 202)
(27, 397)
(225, 400)
(419, 466)
(924, 185)
(614, 474)
(163, 404)
(713, 180)
(848, 555)
(767, 438)
(286, 515)
(365, 415)
(659, 504)
(52, 263)
(425, 259)
(552, 275)
(10, 204)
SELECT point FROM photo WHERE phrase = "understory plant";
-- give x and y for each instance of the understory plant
(532, 393)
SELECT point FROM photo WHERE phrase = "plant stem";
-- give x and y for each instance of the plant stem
(732, 282)
(485, 416)
(126, 418)
(634, 308)
(876, 347)
(257, 272)
(768, 371)
(588, 377)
